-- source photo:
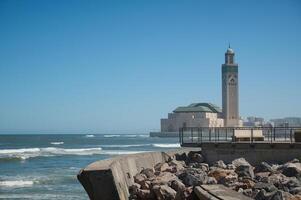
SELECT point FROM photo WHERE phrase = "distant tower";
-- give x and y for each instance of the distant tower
(230, 90)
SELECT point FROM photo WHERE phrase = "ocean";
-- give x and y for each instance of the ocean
(43, 166)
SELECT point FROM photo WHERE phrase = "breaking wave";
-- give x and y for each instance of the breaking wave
(124, 145)
(18, 183)
(89, 136)
(25, 153)
(176, 145)
(56, 143)
(111, 136)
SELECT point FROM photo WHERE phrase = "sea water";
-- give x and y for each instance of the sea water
(45, 166)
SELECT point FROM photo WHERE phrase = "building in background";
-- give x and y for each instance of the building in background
(254, 122)
(194, 115)
(287, 122)
(230, 98)
(207, 114)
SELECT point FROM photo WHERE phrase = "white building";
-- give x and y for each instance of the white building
(206, 114)
(194, 115)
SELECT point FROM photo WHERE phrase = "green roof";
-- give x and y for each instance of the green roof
(199, 107)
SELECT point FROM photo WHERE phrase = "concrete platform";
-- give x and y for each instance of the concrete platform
(218, 192)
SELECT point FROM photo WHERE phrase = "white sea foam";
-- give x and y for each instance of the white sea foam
(116, 152)
(16, 183)
(26, 153)
(111, 136)
(56, 143)
(123, 145)
(89, 136)
(175, 145)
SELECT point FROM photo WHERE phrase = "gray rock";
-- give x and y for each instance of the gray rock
(192, 177)
(245, 171)
(240, 161)
(220, 164)
(296, 190)
(211, 181)
(264, 195)
(231, 166)
(291, 169)
(248, 192)
(268, 187)
(263, 167)
(195, 157)
(145, 194)
(133, 189)
(164, 192)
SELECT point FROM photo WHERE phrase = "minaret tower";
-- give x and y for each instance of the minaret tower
(230, 90)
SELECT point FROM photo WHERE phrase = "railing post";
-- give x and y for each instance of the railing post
(226, 134)
(191, 131)
(218, 134)
(274, 134)
(291, 135)
(251, 135)
(201, 135)
(209, 134)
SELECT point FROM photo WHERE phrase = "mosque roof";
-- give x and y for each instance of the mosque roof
(199, 107)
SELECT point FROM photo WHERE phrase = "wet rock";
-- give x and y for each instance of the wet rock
(245, 171)
(220, 164)
(149, 173)
(240, 161)
(192, 177)
(164, 192)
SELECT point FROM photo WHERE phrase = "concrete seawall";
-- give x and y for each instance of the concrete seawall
(110, 179)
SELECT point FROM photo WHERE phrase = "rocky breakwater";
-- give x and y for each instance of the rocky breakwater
(176, 178)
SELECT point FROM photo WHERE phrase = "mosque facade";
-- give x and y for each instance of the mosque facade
(208, 114)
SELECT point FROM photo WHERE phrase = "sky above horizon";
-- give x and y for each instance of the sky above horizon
(122, 65)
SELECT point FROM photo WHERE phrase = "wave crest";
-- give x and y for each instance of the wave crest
(175, 145)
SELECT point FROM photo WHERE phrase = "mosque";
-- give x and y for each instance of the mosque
(207, 114)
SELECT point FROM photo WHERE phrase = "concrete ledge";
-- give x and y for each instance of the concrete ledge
(255, 153)
(110, 179)
(218, 192)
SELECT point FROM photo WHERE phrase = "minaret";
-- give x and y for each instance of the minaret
(230, 90)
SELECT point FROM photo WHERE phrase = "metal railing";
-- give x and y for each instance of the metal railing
(237, 134)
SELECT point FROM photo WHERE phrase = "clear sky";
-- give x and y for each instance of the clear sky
(122, 65)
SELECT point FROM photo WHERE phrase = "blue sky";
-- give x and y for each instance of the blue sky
(122, 65)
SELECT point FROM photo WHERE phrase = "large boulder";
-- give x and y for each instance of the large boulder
(140, 178)
(164, 192)
(263, 167)
(245, 171)
(161, 167)
(176, 165)
(193, 177)
(291, 169)
(164, 178)
(149, 173)
(177, 185)
(145, 194)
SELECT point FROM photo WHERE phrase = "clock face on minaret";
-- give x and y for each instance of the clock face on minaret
(230, 90)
